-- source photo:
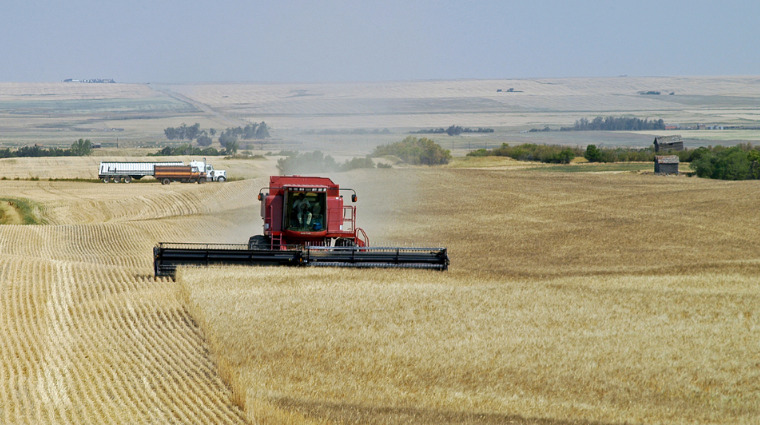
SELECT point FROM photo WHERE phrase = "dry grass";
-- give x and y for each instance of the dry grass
(9, 214)
(571, 298)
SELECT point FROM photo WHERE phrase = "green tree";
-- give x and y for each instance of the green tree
(204, 140)
(704, 164)
(227, 137)
(734, 165)
(232, 146)
(593, 154)
(727, 163)
(81, 147)
(416, 151)
(262, 131)
(565, 156)
(193, 131)
(754, 164)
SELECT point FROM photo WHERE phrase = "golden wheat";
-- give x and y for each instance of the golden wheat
(571, 297)
(88, 335)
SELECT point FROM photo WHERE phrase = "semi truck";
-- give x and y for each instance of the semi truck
(125, 172)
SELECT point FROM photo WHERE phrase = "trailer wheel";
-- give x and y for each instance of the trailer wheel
(128, 179)
(200, 180)
(165, 181)
(105, 179)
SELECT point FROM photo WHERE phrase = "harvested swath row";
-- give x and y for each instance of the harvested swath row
(86, 344)
(82, 203)
(129, 206)
(119, 244)
(115, 245)
(89, 336)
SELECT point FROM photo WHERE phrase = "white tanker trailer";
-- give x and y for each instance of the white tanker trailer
(125, 172)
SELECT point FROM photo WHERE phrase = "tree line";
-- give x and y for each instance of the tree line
(616, 124)
(229, 136)
(80, 147)
(556, 154)
(741, 162)
(415, 151)
(317, 162)
(552, 154)
(188, 149)
(453, 130)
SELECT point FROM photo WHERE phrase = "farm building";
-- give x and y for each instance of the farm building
(666, 164)
(666, 143)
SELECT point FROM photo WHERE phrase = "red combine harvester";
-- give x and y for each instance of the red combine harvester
(305, 224)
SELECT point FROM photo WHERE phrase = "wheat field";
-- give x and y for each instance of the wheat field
(571, 298)
(88, 335)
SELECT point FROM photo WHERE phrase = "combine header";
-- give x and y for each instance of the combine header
(305, 224)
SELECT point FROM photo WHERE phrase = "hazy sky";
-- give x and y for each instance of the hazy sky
(326, 41)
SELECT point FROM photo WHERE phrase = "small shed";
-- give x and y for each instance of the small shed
(666, 164)
(666, 143)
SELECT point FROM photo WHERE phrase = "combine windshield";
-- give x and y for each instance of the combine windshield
(305, 211)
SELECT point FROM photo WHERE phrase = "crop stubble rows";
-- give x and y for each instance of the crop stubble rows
(88, 335)
(604, 298)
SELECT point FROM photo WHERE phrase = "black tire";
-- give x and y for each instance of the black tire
(200, 180)
(259, 242)
(221, 180)
(106, 180)
(165, 181)
(128, 179)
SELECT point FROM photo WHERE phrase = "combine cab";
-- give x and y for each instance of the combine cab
(305, 224)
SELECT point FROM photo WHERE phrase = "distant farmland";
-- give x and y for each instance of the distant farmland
(324, 116)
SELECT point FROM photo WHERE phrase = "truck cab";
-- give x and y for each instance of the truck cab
(211, 174)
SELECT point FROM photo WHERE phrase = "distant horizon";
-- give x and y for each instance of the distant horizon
(81, 80)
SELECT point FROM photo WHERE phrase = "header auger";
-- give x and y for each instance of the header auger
(305, 224)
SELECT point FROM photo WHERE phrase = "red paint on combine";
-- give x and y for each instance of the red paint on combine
(299, 210)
